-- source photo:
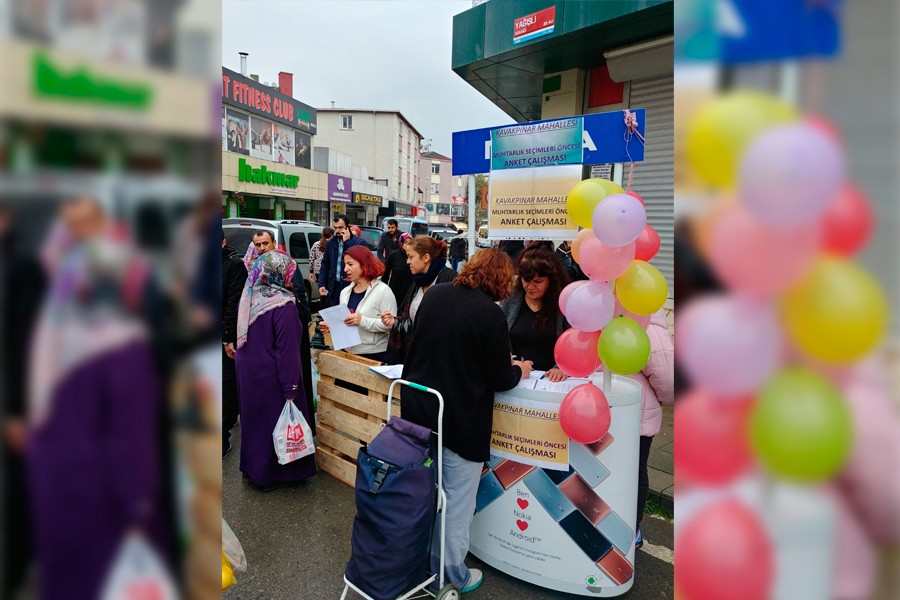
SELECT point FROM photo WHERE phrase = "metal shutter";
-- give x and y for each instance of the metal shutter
(654, 178)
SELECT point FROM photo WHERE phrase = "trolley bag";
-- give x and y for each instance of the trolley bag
(396, 495)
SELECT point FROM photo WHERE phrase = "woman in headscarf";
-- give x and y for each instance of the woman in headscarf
(268, 369)
(396, 270)
(427, 260)
(96, 409)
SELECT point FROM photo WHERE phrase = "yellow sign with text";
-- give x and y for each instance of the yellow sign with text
(530, 203)
(528, 432)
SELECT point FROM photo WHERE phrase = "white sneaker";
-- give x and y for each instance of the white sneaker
(475, 579)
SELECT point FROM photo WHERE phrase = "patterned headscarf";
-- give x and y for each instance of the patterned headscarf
(403, 237)
(268, 286)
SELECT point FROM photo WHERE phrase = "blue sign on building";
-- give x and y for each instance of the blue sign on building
(603, 141)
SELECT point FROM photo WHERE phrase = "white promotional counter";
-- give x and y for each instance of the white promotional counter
(561, 518)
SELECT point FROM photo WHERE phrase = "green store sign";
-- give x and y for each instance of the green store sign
(84, 85)
(264, 176)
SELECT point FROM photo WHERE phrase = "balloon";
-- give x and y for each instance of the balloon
(727, 344)
(634, 194)
(642, 320)
(837, 314)
(642, 289)
(713, 438)
(624, 346)
(756, 260)
(584, 414)
(583, 198)
(647, 244)
(576, 353)
(801, 428)
(566, 292)
(724, 551)
(847, 223)
(790, 175)
(576, 245)
(824, 125)
(721, 130)
(590, 307)
(611, 187)
(618, 220)
(602, 262)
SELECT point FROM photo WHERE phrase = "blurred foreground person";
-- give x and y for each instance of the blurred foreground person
(234, 275)
(22, 284)
(268, 369)
(460, 347)
(95, 409)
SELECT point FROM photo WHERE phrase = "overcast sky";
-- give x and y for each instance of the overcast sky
(372, 54)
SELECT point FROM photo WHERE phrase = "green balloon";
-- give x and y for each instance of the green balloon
(801, 428)
(624, 346)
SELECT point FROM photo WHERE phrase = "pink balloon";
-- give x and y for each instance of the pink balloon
(618, 219)
(706, 571)
(590, 307)
(602, 262)
(566, 292)
(848, 222)
(790, 175)
(642, 320)
(584, 414)
(728, 345)
(634, 194)
(756, 260)
(576, 353)
(713, 445)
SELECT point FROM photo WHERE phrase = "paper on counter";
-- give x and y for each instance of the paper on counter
(342, 336)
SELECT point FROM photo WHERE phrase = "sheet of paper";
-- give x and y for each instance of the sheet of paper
(389, 371)
(531, 381)
(342, 336)
(559, 386)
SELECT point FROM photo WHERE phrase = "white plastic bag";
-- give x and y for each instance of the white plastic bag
(234, 552)
(138, 574)
(292, 435)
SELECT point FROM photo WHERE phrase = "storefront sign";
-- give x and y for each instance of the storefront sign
(457, 200)
(537, 144)
(264, 176)
(360, 198)
(534, 25)
(84, 85)
(340, 189)
(603, 140)
(528, 432)
(266, 101)
(569, 530)
(530, 204)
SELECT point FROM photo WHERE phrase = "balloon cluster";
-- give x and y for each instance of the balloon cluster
(610, 312)
(763, 355)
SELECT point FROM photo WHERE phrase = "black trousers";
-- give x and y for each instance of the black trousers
(643, 478)
(230, 409)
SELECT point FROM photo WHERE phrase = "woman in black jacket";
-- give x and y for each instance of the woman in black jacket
(396, 270)
(460, 347)
(427, 260)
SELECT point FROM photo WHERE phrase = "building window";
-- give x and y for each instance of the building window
(435, 188)
(400, 142)
(435, 168)
(346, 121)
(399, 176)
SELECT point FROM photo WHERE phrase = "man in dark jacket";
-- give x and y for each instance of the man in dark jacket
(389, 241)
(234, 275)
(331, 275)
(459, 249)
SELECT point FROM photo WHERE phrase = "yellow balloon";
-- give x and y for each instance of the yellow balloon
(838, 313)
(576, 245)
(721, 130)
(228, 579)
(642, 289)
(585, 196)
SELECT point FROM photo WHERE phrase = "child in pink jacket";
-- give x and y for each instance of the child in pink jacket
(657, 380)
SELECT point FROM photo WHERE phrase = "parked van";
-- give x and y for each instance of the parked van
(412, 225)
(294, 237)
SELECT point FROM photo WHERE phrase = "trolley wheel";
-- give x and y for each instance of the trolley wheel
(448, 592)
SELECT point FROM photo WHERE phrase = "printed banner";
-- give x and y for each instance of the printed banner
(530, 204)
(528, 432)
(537, 144)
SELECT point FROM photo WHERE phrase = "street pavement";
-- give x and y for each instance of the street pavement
(297, 542)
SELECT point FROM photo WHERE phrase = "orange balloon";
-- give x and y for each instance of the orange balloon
(576, 245)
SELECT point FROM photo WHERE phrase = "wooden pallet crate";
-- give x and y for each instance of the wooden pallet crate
(348, 418)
